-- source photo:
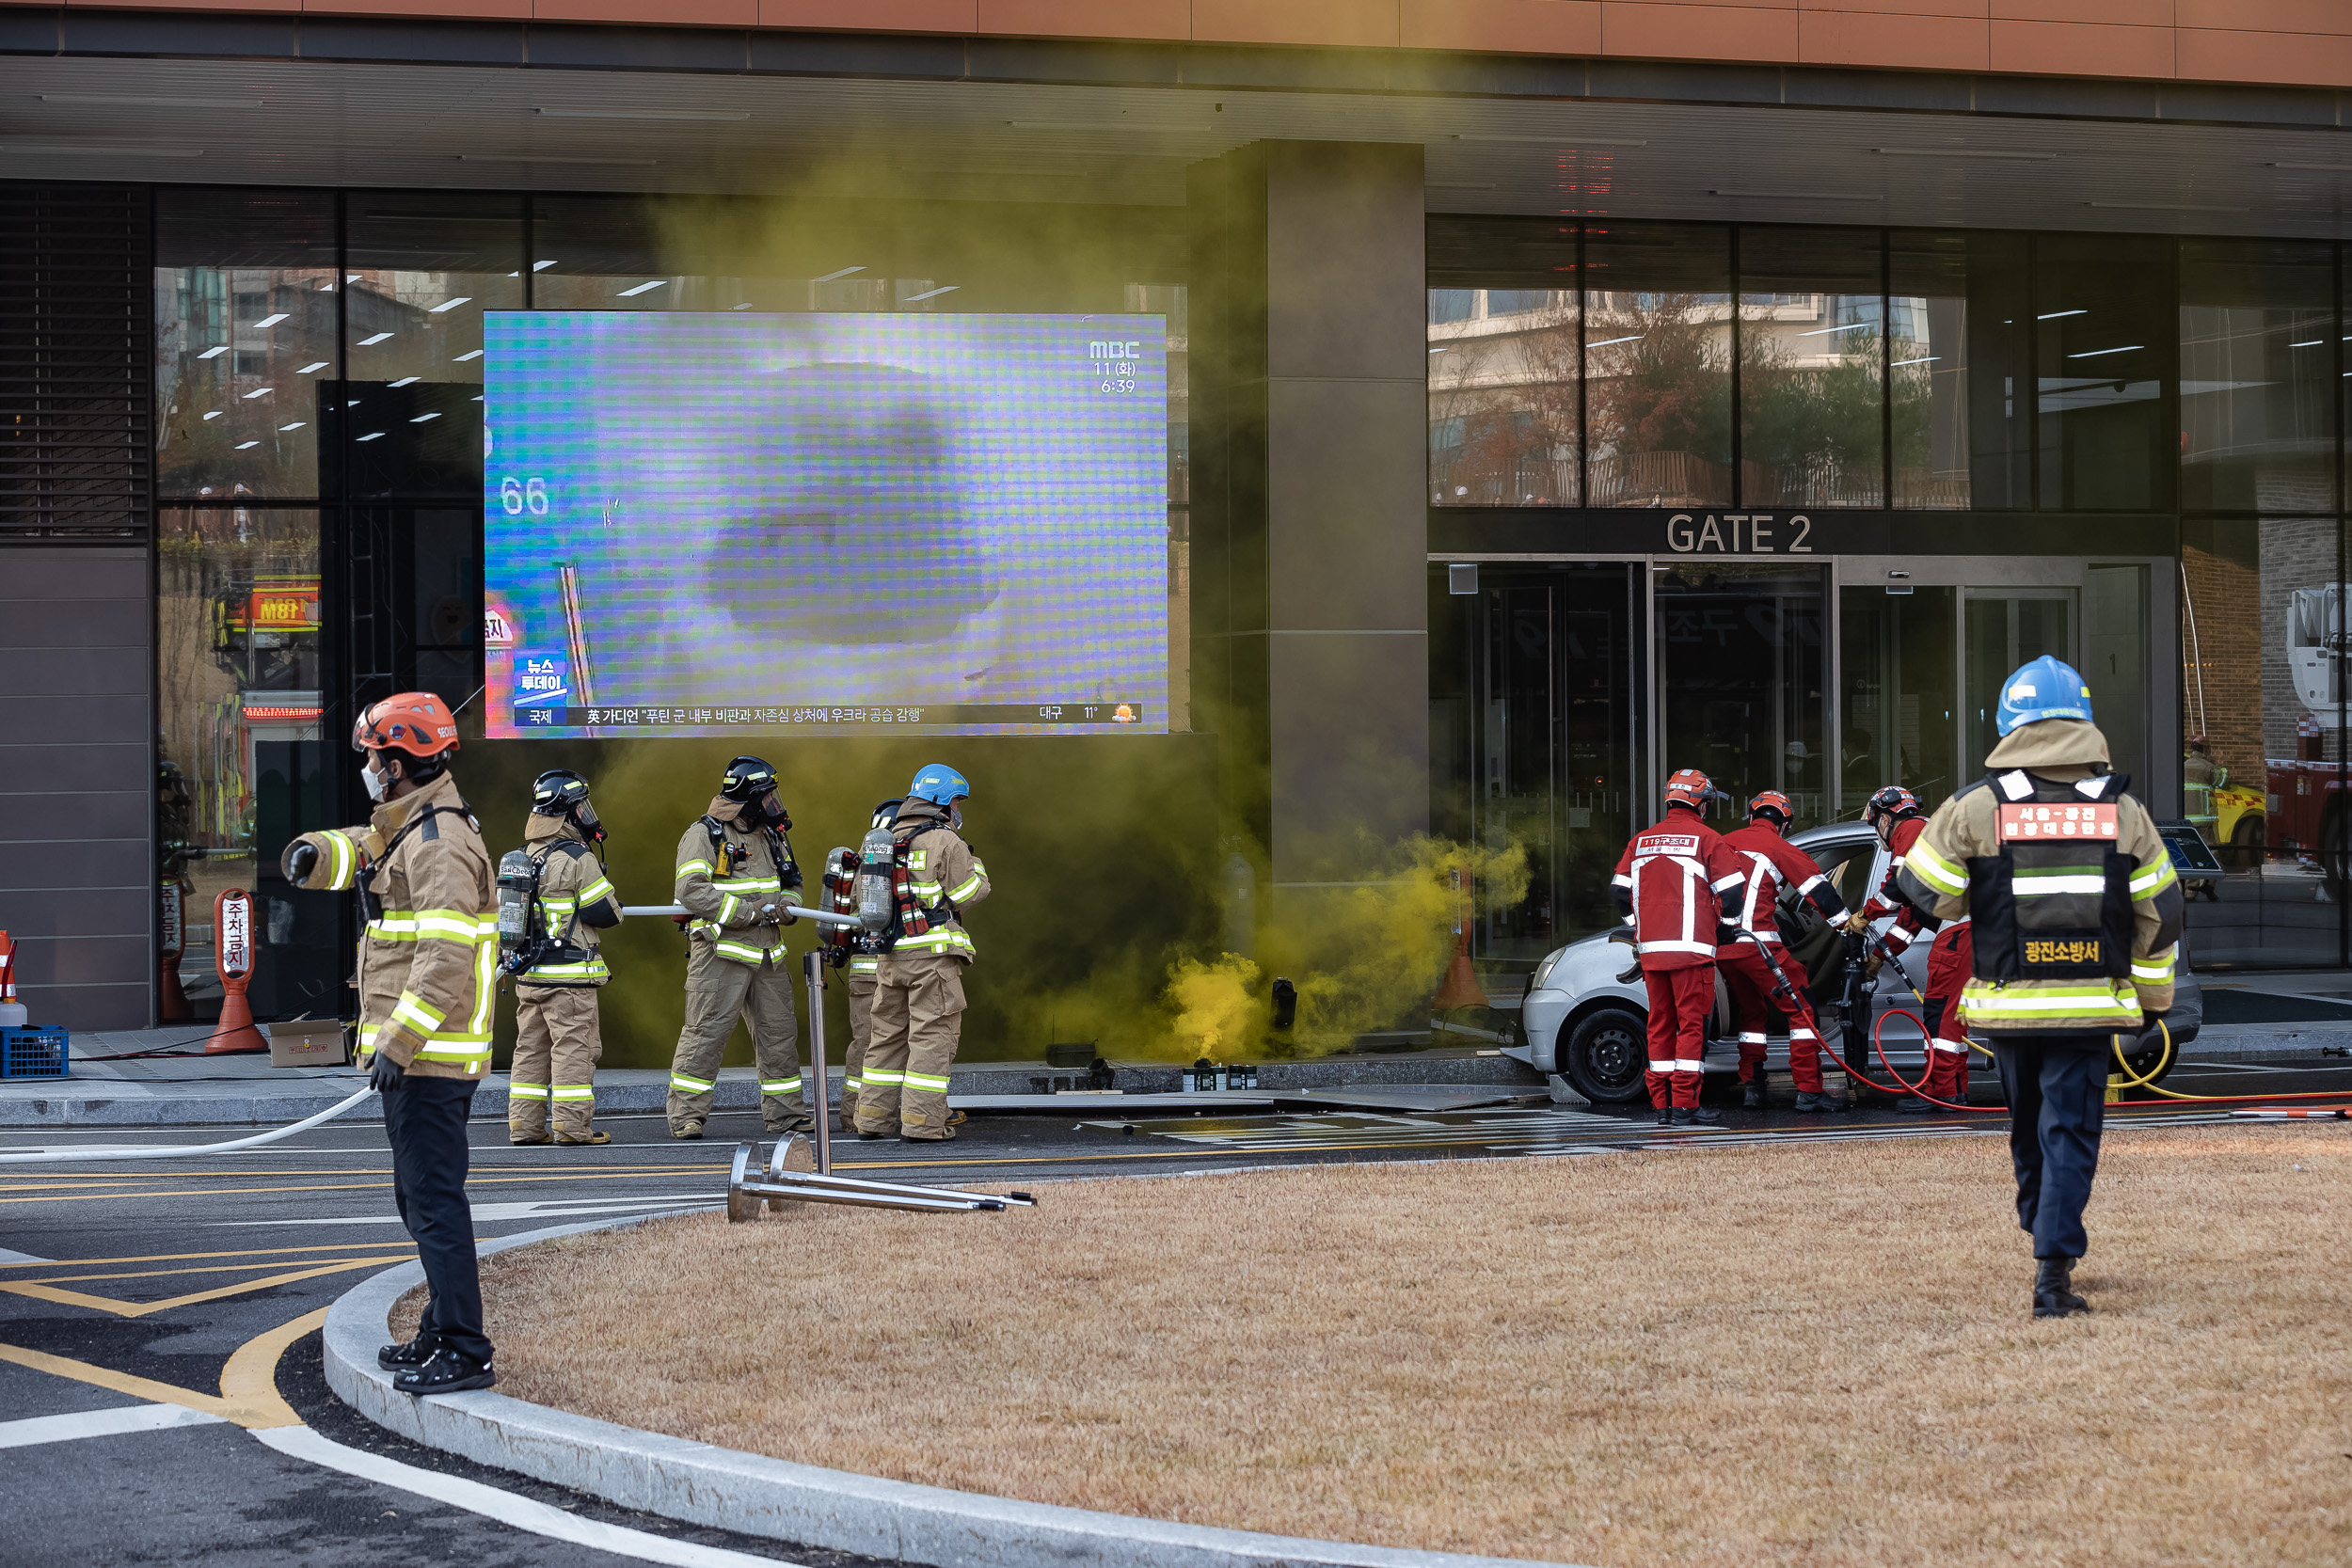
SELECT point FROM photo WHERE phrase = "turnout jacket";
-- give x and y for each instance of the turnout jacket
(428, 960)
(575, 901)
(1962, 866)
(945, 876)
(724, 885)
(1675, 883)
(1888, 900)
(1774, 864)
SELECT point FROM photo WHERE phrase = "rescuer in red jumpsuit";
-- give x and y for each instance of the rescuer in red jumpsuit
(1678, 885)
(1773, 863)
(1894, 811)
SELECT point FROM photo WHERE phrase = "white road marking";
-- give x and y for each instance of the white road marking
(487, 1213)
(9, 1256)
(102, 1423)
(300, 1442)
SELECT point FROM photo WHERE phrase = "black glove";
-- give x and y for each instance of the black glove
(2148, 1022)
(1725, 934)
(300, 861)
(384, 1074)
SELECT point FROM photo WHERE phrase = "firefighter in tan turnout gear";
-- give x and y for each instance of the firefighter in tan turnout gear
(554, 893)
(2075, 917)
(735, 875)
(859, 962)
(918, 992)
(428, 976)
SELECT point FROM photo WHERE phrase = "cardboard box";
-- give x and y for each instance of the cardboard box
(311, 1043)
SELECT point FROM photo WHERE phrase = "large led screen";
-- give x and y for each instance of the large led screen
(736, 524)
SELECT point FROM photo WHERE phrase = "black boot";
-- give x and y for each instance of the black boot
(1752, 1095)
(2053, 1289)
(1820, 1101)
(1665, 1116)
(1912, 1105)
(416, 1352)
(448, 1372)
(1697, 1117)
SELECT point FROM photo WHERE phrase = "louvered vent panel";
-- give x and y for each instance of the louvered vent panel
(76, 295)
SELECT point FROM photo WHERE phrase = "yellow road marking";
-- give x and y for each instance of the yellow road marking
(177, 1257)
(250, 1378)
(326, 1187)
(215, 1267)
(146, 1308)
(245, 1410)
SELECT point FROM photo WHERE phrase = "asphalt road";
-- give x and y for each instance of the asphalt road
(160, 1386)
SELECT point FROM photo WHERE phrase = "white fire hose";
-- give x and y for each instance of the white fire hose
(176, 1151)
(169, 1151)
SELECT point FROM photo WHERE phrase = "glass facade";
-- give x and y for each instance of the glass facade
(2145, 435)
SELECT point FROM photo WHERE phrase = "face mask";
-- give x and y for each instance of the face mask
(955, 815)
(375, 778)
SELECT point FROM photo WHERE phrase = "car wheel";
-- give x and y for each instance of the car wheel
(1605, 1054)
(2144, 1061)
(2335, 850)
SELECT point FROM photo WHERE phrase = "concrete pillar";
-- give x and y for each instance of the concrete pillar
(1310, 392)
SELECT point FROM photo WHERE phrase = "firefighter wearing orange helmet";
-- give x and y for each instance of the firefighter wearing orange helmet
(1678, 885)
(428, 975)
(1758, 966)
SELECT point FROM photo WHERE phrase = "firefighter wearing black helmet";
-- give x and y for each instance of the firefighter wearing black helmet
(557, 1036)
(735, 876)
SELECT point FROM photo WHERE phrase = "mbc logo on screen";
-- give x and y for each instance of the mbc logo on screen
(1114, 349)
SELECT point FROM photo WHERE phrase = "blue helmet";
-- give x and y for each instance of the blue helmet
(939, 783)
(2047, 688)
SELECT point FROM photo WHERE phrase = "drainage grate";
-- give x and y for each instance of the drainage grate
(76, 295)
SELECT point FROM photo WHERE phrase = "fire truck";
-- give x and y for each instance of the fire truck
(2302, 809)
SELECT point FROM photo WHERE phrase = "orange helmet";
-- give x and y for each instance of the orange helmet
(1693, 788)
(1772, 803)
(417, 722)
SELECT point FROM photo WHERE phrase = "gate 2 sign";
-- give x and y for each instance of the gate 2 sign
(1739, 533)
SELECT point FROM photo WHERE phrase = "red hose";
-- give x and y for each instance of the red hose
(1880, 1046)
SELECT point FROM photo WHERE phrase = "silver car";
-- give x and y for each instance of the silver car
(1580, 1021)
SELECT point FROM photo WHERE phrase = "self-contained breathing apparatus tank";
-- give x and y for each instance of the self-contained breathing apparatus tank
(518, 887)
(876, 879)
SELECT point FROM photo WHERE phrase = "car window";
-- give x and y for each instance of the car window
(1848, 867)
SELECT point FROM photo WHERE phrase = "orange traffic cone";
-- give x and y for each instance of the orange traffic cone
(12, 1014)
(232, 958)
(1461, 989)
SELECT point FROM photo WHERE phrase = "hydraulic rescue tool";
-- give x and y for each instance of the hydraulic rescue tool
(800, 1169)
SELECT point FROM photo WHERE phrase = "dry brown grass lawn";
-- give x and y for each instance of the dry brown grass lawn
(1816, 1355)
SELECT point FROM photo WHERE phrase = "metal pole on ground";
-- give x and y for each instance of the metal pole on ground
(813, 965)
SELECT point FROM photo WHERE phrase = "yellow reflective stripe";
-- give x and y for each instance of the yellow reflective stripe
(486, 977)
(964, 888)
(2153, 880)
(686, 867)
(780, 1086)
(691, 1086)
(927, 889)
(563, 902)
(742, 951)
(600, 888)
(447, 926)
(883, 1077)
(866, 963)
(587, 969)
(1934, 870)
(343, 861)
(1982, 998)
(575, 1091)
(934, 942)
(852, 1085)
(747, 884)
(527, 1091)
(417, 1013)
(726, 908)
(2157, 968)
(935, 1082)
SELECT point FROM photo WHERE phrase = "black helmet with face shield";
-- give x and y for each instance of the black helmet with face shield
(561, 792)
(752, 783)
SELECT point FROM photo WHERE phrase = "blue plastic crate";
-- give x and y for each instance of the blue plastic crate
(35, 1053)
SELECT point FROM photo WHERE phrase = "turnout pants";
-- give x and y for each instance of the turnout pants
(424, 1120)
(1679, 1001)
(918, 1022)
(1949, 963)
(556, 1048)
(719, 991)
(2056, 1090)
(1753, 1005)
(860, 985)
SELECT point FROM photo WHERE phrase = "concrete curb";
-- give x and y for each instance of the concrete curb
(800, 1504)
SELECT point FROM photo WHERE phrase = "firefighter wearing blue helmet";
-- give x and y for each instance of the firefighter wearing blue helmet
(917, 1008)
(2076, 916)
